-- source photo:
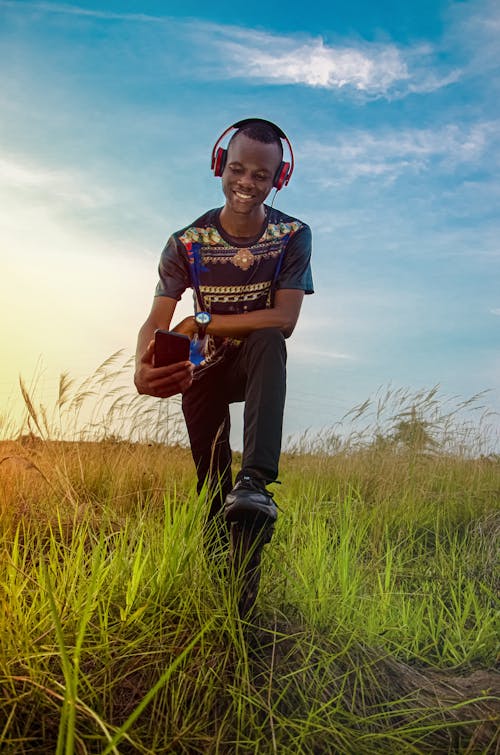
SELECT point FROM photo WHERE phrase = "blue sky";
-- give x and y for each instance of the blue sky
(109, 111)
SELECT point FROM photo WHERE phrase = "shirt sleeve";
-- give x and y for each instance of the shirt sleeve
(173, 271)
(296, 268)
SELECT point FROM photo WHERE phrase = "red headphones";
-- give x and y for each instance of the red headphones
(219, 155)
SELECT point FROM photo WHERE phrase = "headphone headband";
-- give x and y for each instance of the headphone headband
(285, 169)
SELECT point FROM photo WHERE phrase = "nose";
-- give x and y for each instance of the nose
(245, 181)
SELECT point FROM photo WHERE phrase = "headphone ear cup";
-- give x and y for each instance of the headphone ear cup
(220, 161)
(281, 175)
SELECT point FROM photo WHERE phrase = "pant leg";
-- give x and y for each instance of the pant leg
(206, 412)
(264, 360)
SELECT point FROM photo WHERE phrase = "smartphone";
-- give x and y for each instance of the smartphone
(170, 348)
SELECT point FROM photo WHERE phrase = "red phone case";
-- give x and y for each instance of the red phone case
(170, 348)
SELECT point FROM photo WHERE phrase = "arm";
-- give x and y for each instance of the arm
(283, 315)
(159, 381)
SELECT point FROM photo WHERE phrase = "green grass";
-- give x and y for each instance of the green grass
(377, 623)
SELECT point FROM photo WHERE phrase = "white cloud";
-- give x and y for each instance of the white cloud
(280, 60)
(36, 178)
(365, 154)
(368, 69)
(473, 28)
(429, 81)
(495, 311)
(324, 354)
(74, 10)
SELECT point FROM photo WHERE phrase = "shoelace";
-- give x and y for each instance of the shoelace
(250, 483)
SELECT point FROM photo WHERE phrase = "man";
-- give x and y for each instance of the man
(249, 267)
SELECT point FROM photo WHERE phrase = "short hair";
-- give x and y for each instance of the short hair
(259, 131)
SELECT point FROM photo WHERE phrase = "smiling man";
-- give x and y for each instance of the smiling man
(249, 267)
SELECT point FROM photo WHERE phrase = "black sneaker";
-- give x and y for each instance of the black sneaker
(250, 504)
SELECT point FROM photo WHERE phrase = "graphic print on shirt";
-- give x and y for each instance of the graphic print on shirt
(246, 283)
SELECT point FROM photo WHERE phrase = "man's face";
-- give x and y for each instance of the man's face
(249, 172)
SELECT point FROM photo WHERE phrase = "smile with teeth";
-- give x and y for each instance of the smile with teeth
(241, 195)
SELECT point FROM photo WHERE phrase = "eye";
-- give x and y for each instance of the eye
(235, 168)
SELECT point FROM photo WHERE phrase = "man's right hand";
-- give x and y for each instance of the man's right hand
(161, 381)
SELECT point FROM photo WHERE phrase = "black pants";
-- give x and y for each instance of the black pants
(256, 374)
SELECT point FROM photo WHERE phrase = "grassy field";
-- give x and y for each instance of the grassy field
(377, 623)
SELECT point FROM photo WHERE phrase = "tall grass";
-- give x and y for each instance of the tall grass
(378, 617)
(102, 406)
(402, 419)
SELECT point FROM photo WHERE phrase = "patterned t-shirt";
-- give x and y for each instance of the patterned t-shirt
(233, 276)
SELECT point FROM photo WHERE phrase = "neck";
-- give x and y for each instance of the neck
(242, 226)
